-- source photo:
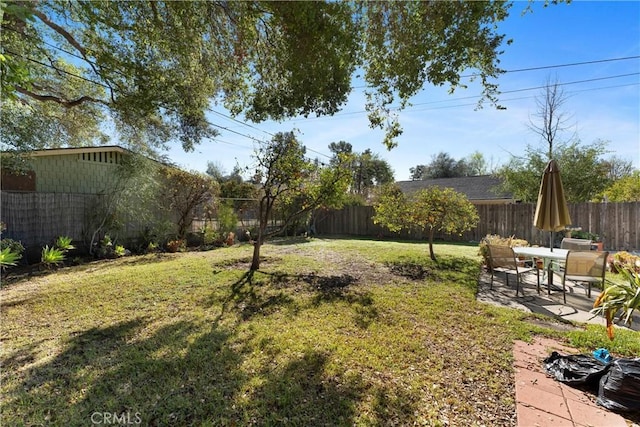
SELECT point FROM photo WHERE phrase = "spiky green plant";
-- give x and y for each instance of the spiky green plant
(619, 299)
(52, 256)
(119, 251)
(8, 258)
(64, 243)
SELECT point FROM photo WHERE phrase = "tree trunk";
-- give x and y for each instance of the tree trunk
(432, 255)
(255, 262)
(265, 211)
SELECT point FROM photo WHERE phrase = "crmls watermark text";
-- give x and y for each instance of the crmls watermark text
(112, 418)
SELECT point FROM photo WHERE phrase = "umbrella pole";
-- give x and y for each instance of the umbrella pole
(551, 241)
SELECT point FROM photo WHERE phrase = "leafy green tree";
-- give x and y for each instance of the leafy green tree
(442, 166)
(183, 193)
(476, 164)
(294, 183)
(367, 168)
(584, 174)
(156, 66)
(431, 209)
(625, 189)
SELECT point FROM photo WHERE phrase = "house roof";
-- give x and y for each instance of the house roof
(482, 188)
(78, 150)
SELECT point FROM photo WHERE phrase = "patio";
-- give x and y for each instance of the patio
(576, 309)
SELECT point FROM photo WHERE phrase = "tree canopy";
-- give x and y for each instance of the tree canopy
(429, 210)
(443, 165)
(153, 68)
(368, 170)
(293, 184)
(585, 175)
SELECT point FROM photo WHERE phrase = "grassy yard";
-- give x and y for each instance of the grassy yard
(328, 332)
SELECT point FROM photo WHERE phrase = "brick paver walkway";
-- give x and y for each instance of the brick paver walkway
(541, 401)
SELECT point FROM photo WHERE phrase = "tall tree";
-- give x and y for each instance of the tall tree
(156, 66)
(618, 168)
(584, 173)
(476, 164)
(442, 166)
(550, 121)
(183, 193)
(367, 168)
(297, 184)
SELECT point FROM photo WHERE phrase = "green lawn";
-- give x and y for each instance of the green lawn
(328, 332)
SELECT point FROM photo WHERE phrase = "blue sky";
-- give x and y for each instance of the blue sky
(601, 103)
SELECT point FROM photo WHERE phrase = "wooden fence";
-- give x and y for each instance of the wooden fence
(617, 224)
(38, 218)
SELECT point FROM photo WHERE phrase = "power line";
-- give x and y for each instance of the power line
(408, 109)
(239, 121)
(58, 69)
(545, 67)
(572, 64)
(356, 112)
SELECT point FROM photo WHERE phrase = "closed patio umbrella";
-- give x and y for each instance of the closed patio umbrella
(552, 213)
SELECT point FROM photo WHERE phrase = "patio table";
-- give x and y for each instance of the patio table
(547, 255)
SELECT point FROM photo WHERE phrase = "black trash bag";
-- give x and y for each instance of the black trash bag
(620, 387)
(576, 369)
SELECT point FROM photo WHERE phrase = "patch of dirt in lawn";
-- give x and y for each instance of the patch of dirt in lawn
(341, 267)
(553, 324)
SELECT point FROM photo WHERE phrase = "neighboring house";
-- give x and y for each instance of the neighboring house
(89, 170)
(61, 194)
(478, 189)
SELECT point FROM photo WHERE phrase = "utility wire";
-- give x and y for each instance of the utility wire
(57, 69)
(572, 64)
(545, 67)
(362, 111)
(410, 108)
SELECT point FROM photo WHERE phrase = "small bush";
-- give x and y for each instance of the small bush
(176, 245)
(119, 251)
(8, 258)
(52, 257)
(495, 239)
(13, 245)
(623, 260)
(64, 243)
(106, 249)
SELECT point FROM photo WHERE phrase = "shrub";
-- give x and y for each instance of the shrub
(52, 256)
(623, 260)
(64, 243)
(176, 245)
(209, 235)
(106, 249)
(230, 240)
(8, 258)
(119, 251)
(495, 239)
(13, 245)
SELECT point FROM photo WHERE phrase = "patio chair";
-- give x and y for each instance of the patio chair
(502, 259)
(584, 266)
(575, 244)
(572, 245)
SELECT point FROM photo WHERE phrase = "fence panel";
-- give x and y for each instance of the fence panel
(617, 224)
(37, 218)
